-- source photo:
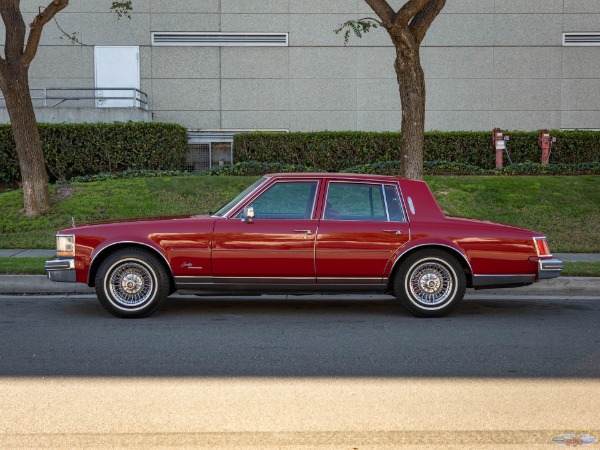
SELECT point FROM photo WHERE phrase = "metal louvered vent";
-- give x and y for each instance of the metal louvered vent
(182, 38)
(581, 39)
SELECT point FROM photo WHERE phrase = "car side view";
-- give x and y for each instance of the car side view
(304, 233)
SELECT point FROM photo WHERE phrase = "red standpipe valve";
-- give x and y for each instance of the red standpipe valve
(545, 143)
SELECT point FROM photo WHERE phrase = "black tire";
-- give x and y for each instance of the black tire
(430, 283)
(132, 283)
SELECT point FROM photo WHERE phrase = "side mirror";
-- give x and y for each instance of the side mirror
(248, 214)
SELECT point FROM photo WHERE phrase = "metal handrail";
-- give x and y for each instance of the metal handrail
(139, 98)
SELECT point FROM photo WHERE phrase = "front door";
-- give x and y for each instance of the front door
(278, 245)
(363, 225)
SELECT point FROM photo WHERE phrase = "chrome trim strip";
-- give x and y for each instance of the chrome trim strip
(549, 268)
(60, 264)
(387, 212)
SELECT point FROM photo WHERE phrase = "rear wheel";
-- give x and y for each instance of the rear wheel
(132, 283)
(430, 283)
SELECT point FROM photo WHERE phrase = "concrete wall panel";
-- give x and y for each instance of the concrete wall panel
(256, 23)
(186, 95)
(529, 6)
(254, 62)
(185, 22)
(580, 119)
(105, 29)
(256, 120)
(459, 120)
(581, 62)
(376, 62)
(255, 6)
(255, 95)
(582, 6)
(322, 95)
(190, 119)
(463, 62)
(468, 7)
(469, 30)
(184, 6)
(378, 120)
(527, 95)
(580, 95)
(323, 6)
(322, 120)
(532, 62)
(581, 22)
(459, 94)
(528, 29)
(185, 62)
(54, 63)
(323, 62)
(377, 95)
(526, 120)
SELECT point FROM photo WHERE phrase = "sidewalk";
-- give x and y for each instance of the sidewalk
(563, 286)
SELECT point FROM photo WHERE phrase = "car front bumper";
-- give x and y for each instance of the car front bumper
(61, 270)
(549, 268)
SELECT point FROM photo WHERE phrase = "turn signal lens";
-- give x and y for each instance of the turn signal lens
(65, 245)
(541, 245)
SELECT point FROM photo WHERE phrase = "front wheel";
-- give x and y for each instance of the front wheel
(131, 283)
(430, 283)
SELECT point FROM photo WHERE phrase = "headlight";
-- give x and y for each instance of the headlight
(65, 245)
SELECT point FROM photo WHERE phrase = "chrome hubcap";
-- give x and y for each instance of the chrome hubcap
(131, 284)
(431, 283)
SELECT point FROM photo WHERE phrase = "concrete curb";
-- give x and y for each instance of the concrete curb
(569, 286)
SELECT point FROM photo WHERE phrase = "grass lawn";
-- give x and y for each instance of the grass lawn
(35, 266)
(566, 209)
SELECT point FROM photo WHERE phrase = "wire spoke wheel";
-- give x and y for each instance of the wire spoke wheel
(430, 283)
(132, 282)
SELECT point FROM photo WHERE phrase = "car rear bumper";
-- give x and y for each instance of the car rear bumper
(61, 270)
(549, 268)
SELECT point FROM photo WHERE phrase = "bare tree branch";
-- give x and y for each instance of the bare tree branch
(383, 10)
(408, 11)
(37, 26)
(424, 18)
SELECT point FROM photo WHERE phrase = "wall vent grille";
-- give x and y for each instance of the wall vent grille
(581, 39)
(215, 39)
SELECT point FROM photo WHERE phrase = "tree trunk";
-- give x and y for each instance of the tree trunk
(411, 83)
(36, 196)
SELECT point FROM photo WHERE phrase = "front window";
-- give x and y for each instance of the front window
(238, 198)
(286, 200)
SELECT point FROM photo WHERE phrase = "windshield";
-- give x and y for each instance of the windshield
(238, 198)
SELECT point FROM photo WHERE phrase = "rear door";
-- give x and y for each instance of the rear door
(363, 225)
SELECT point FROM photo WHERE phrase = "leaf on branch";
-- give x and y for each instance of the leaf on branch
(359, 27)
(122, 9)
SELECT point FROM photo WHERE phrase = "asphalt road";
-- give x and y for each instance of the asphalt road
(335, 373)
(299, 337)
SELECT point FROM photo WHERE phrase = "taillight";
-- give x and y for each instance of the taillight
(542, 247)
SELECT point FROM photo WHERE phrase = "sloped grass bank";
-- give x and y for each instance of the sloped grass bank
(565, 208)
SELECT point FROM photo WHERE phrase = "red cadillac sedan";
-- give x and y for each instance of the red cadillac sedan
(304, 233)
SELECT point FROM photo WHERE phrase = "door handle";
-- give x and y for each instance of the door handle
(306, 232)
(398, 232)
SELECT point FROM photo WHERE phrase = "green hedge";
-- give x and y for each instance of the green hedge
(74, 150)
(334, 151)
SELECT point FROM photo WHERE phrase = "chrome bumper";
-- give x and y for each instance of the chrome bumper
(549, 268)
(61, 270)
